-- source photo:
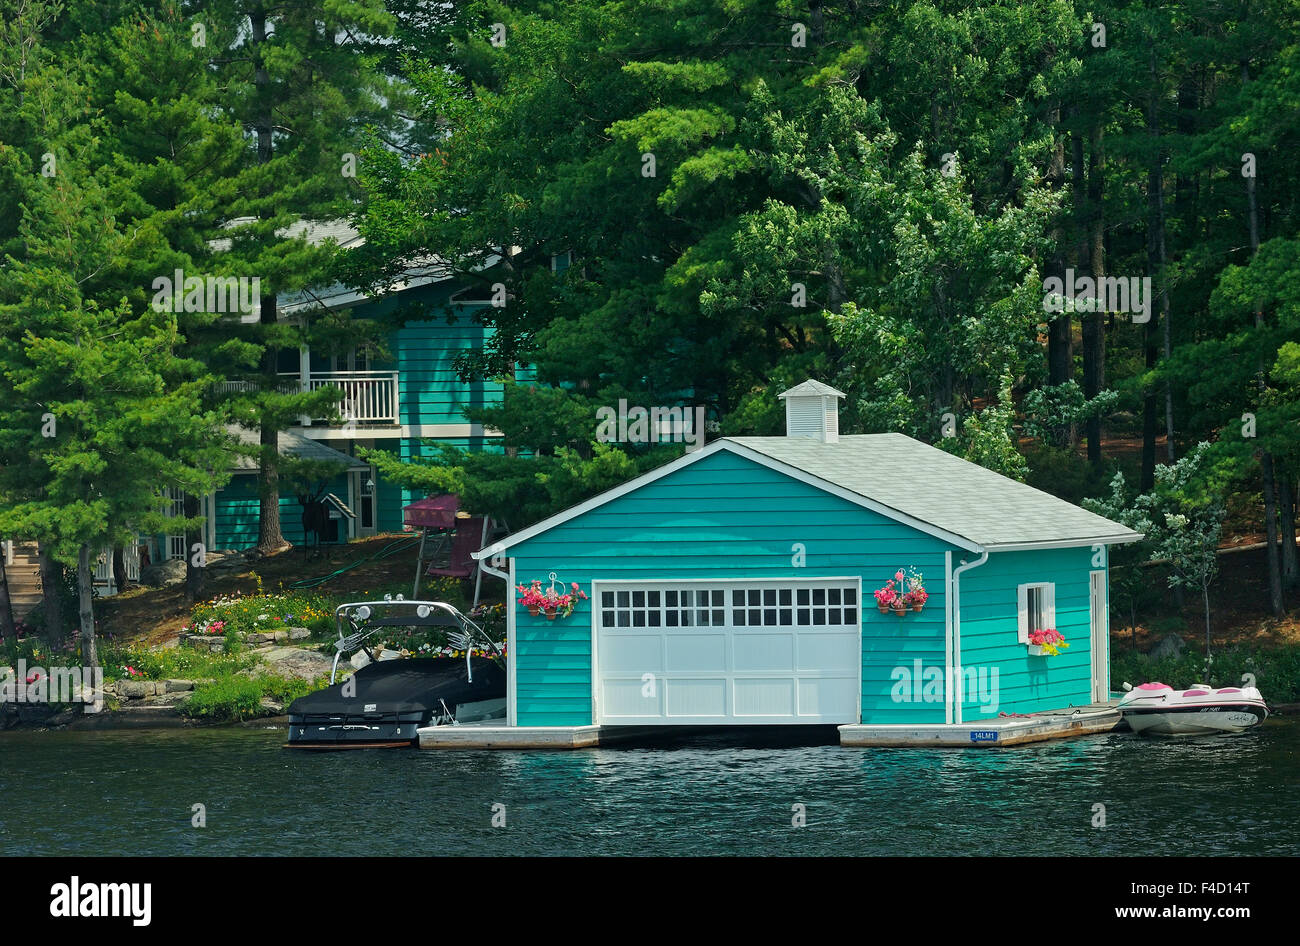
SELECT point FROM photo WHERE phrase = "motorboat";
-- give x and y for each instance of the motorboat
(390, 697)
(1159, 709)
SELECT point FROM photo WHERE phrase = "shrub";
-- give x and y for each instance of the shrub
(1276, 670)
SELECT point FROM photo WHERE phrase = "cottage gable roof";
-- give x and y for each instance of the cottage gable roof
(946, 491)
(912, 482)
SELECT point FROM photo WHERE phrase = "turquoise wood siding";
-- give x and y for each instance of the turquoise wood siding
(237, 517)
(725, 517)
(989, 631)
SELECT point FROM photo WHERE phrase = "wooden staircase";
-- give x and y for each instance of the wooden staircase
(23, 570)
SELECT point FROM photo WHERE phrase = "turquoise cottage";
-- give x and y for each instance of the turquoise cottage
(404, 403)
(735, 586)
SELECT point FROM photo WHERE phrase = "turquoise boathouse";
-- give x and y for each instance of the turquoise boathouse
(735, 586)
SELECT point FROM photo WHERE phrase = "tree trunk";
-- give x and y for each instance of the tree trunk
(51, 594)
(119, 569)
(1275, 604)
(1147, 479)
(1286, 516)
(1205, 596)
(1094, 337)
(1266, 470)
(193, 572)
(1156, 256)
(269, 535)
(1060, 360)
(85, 593)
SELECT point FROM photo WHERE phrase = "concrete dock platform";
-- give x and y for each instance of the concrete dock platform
(999, 732)
(989, 733)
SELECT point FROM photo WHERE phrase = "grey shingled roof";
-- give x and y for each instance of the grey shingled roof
(291, 444)
(811, 388)
(935, 487)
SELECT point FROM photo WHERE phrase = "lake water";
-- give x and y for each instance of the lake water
(131, 793)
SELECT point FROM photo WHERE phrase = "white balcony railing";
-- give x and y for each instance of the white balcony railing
(369, 397)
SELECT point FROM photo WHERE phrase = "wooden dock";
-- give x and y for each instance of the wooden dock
(990, 733)
(987, 733)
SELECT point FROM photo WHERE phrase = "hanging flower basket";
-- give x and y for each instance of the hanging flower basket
(902, 593)
(550, 601)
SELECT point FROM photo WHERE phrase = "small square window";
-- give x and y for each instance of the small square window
(769, 596)
(1036, 610)
(607, 599)
(653, 617)
(785, 617)
(850, 596)
(737, 597)
(623, 599)
(803, 595)
(803, 616)
(819, 596)
(654, 599)
(738, 617)
(850, 615)
(638, 619)
(638, 599)
(785, 597)
(670, 598)
(607, 618)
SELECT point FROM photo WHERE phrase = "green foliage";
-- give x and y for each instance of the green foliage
(1276, 670)
(987, 438)
(181, 663)
(1051, 411)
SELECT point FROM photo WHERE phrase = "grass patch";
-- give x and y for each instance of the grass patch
(184, 663)
(236, 696)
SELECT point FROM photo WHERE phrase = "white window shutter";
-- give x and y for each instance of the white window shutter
(1022, 614)
(1049, 606)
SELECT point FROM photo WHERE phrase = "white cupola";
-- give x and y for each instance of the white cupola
(813, 411)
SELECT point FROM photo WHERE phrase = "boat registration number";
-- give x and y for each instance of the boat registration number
(983, 735)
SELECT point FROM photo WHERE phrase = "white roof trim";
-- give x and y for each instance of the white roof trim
(753, 455)
(1066, 543)
(598, 500)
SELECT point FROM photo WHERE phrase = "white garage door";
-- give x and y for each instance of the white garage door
(728, 652)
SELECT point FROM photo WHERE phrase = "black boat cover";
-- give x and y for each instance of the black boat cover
(417, 684)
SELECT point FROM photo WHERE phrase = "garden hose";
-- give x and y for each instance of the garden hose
(392, 548)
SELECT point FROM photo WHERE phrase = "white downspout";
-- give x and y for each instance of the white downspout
(956, 626)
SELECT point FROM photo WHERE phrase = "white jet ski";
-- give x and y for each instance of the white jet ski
(1159, 709)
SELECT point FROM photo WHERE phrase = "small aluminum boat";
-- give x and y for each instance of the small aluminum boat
(1159, 709)
(389, 698)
